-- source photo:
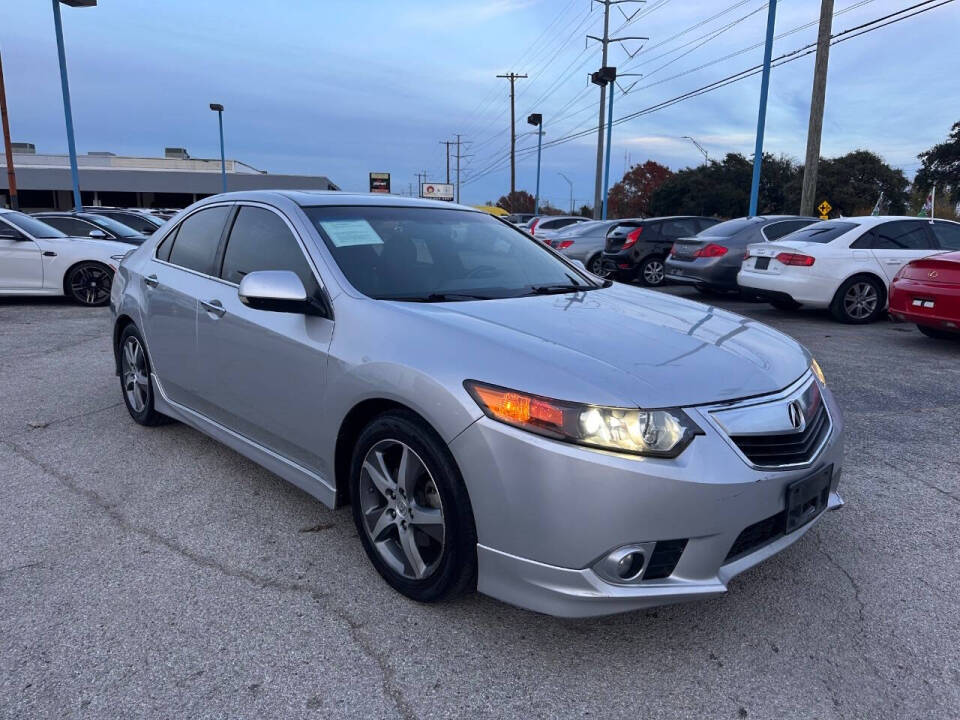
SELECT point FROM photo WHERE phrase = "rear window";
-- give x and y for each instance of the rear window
(821, 232)
(730, 227)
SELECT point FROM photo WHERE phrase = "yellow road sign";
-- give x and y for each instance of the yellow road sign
(824, 209)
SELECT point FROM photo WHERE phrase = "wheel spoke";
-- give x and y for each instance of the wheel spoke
(383, 522)
(129, 355)
(408, 472)
(429, 521)
(412, 553)
(379, 474)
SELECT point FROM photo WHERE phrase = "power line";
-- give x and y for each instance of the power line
(849, 34)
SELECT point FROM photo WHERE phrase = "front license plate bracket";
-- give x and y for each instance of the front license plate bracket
(807, 498)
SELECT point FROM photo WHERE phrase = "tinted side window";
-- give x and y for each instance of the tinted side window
(778, 230)
(71, 226)
(899, 235)
(166, 245)
(261, 240)
(195, 245)
(132, 220)
(948, 234)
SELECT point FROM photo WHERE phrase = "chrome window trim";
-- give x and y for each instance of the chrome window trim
(797, 388)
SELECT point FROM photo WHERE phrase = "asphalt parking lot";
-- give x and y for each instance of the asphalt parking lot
(154, 572)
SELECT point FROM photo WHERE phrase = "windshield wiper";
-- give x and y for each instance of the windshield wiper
(559, 288)
(439, 297)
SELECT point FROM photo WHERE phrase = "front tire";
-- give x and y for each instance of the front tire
(651, 271)
(859, 300)
(135, 380)
(411, 508)
(88, 283)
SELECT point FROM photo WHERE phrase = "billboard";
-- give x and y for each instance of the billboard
(379, 182)
(437, 191)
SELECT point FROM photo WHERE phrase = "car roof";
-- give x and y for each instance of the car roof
(310, 198)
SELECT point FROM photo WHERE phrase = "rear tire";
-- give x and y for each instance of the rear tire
(651, 271)
(859, 300)
(88, 283)
(417, 526)
(937, 333)
(595, 265)
(135, 379)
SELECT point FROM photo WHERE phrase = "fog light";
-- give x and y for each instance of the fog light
(626, 564)
(630, 565)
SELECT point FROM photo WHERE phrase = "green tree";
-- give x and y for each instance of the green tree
(631, 196)
(852, 183)
(941, 167)
(585, 211)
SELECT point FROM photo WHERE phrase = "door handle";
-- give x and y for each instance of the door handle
(49, 253)
(151, 280)
(214, 306)
(893, 262)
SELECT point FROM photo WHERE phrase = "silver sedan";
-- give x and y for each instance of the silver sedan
(496, 417)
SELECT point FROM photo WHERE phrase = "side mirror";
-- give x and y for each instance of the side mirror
(275, 290)
(97, 235)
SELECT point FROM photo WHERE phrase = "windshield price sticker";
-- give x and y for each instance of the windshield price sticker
(349, 233)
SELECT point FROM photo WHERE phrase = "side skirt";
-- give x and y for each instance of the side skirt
(306, 480)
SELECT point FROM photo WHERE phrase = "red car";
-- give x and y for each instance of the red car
(927, 292)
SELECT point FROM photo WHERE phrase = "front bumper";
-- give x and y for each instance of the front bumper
(546, 512)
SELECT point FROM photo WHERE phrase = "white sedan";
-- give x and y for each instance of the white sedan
(845, 265)
(37, 259)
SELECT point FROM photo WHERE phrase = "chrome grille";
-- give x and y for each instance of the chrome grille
(788, 448)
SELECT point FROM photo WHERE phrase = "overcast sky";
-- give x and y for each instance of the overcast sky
(342, 88)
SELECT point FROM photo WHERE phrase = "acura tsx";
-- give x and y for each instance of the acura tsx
(496, 417)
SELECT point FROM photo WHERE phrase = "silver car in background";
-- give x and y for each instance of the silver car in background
(584, 242)
(495, 417)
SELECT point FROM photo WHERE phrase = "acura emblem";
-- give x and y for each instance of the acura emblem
(795, 413)
(932, 274)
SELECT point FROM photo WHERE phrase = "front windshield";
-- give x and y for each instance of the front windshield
(435, 255)
(117, 228)
(32, 226)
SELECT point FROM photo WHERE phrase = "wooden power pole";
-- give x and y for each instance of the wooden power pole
(512, 77)
(7, 148)
(815, 128)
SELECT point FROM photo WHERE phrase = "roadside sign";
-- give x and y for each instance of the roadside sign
(825, 209)
(379, 182)
(437, 191)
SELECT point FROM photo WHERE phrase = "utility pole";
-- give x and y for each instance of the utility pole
(815, 128)
(604, 42)
(512, 77)
(421, 179)
(762, 115)
(458, 168)
(448, 143)
(7, 148)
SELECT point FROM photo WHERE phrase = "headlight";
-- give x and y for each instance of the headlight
(818, 371)
(660, 433)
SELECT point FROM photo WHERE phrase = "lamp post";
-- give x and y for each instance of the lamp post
(218, 108)
(762, 114)
(65, 87)
(536, 119)
(706, 157)
(603, 77)
(570, 183)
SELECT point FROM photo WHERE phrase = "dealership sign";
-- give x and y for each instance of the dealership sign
(379, 182)
(436, 191)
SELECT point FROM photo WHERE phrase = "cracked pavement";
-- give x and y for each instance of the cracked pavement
(151, 572)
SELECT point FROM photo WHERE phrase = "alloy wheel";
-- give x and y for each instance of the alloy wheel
(860, 300)
(90, 284)
(653, 272)
(596, 266)
(133, 368)
(401, 509)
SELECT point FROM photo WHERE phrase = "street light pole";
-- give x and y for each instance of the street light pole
(218, 108)
(570, 183)
(536, 119)
(762, 115)
(706, 157)
(65, 87)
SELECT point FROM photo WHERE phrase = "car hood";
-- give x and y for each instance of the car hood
(643, 347)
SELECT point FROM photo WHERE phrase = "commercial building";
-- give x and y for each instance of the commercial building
(172, 181)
